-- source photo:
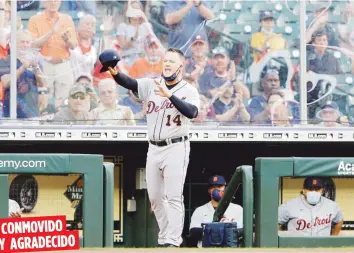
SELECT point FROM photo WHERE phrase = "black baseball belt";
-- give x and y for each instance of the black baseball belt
(169, 141)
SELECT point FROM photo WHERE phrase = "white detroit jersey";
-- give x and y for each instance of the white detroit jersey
(14, 207)
(164, 121)
(205, 214)
(306, 220)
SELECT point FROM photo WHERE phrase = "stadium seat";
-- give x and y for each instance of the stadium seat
(231, 17)
(26, 15)
(247, 18)
(262, 6)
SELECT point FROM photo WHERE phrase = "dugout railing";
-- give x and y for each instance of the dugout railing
(242, 176)
(98, 188)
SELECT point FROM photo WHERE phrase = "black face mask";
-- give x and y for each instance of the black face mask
(172, 77)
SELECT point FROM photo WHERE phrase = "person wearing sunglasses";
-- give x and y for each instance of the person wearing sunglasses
(77, 111)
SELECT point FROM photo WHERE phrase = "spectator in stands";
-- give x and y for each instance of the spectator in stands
(108, 111)
(86, 81)
(346, 33)
(133, 34)
(329, 115)
(149, 66)
(50, 29)
(243, 92)
(320, 21)
(223, 71)
(84, 56)
(266, 39)
(229, 106)
(77, 111)
(29, 78)
(5, 15)
(199, 62)
(136, 105)
(279, 115)
(46, 110)
(320, 59)
(184, 18)
(206, 112)
(259, 108)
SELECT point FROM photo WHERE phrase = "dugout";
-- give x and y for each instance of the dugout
(97, 180)
(138, 228)
(270, 174)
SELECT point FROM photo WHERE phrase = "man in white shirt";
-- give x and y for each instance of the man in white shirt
(14, 209)
(205, 213)
(84, 55)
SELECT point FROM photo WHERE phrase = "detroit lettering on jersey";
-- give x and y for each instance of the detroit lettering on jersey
(164, 121)
(304, 219)
(303, 224)
(152, 107)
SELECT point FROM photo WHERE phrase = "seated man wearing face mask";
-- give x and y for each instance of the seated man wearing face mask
(311, 214)
(205, 213)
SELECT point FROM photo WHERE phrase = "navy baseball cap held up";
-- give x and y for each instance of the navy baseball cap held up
(108, 58)
(217, 180)
(313, 183)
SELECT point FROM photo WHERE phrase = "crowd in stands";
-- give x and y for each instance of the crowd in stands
(242, 56)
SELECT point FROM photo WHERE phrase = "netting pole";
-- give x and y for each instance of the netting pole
(13, 60)
(303, 86)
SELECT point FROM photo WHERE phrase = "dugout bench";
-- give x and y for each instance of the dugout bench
(98, 188)
(268, 171)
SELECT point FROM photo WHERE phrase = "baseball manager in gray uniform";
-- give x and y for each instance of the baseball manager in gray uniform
(171, 104)
(311, 214)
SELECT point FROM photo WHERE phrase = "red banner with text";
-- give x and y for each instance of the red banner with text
(45, 233)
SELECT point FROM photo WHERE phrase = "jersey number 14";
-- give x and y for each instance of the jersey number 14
(176, 120)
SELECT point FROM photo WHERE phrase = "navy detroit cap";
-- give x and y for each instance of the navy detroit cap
(313, 182)
(217, 180)
(108, 58)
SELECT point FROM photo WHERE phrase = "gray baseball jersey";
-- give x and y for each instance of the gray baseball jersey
(306, 220)
(163, 119)
(166, 166)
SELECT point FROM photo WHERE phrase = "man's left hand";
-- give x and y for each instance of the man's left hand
(16, 214)
(163, 91)
(224, 219)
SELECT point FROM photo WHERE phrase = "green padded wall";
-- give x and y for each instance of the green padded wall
(4, 196)
(243, 175)
(267, 173)
(88, 165)
(248, 204)
(108, 205)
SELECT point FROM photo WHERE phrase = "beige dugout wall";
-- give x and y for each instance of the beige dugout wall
(52, 201)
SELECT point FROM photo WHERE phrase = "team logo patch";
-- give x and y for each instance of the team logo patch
(215, 179)
(314, 181)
